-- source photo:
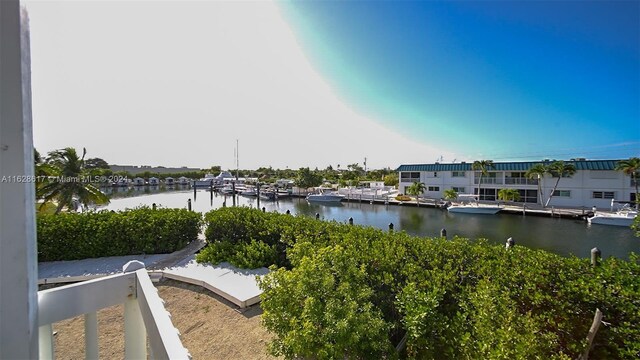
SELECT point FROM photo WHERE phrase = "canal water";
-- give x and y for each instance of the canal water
(561, 236)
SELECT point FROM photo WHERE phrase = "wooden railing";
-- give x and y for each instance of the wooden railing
(144, 314)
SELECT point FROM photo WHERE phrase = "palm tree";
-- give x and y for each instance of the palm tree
(631, 167)
(559, 169)
(483, 166)
(537, 172)
(416, 189)
(68, 182)
(509, 194)
(450, 194)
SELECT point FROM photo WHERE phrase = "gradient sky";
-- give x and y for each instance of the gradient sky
(317, 83)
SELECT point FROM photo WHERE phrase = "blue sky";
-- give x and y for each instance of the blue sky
(504, 80)
(318, 83)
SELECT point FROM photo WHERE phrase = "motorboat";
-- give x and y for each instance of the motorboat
(227, 190)
(622, 217)
(249, 191)
(268, 195)
(327, 197)
(473, 207)
(206, 182)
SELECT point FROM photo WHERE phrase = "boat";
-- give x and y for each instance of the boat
(206, 182)
(227, 189)
(268, 195)
(622, 217)
(473, 207)
(249, 191)
(325, 197)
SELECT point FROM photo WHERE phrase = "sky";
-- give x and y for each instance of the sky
(318, 83)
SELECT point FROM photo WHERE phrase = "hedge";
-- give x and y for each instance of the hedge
(341, 291)
(72, 236)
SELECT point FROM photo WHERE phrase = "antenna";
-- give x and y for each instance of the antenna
(365, 165)
(237, 152)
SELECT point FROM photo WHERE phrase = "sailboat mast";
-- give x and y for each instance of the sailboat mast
(237, 159)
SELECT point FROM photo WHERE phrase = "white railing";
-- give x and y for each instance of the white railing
(488, 181)
(520, 181)
(144, 314)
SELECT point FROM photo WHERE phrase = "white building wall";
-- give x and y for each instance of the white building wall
(18, 256)
(582, 185)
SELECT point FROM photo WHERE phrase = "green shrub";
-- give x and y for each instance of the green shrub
(72, 236)
(337, 290)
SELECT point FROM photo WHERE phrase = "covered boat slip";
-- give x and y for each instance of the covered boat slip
(238, 286)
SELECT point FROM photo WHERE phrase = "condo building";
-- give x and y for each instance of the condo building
(595, 182)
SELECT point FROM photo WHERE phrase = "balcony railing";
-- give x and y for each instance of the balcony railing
(144, 314)
(488, 181)
(520, 181)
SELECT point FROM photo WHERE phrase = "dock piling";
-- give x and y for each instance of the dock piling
(443, 233)
(350, 221)
(510, 243)
(189, 204)
(595, 256)
(390, 226)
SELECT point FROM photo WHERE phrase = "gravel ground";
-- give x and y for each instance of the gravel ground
(211, 327)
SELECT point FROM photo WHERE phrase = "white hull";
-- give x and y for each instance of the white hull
(202, 183)
(325, 198)
(614, 219)
(472, 209)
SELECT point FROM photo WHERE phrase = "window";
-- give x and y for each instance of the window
(433, 188)
(486, 194)
(457, 174)
(459, 190)
(435, 174)
(528, 196)
(409, 176)
(562, 193)
(604, 194)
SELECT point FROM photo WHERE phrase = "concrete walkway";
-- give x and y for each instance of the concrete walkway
(236, 285)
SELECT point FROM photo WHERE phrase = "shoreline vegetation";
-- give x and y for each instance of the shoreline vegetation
(338, 289)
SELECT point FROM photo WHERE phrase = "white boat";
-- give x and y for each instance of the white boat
(473, 207)
(622, 217)
(326, 197)
(227, 189)
(207, 181)
(249, 191)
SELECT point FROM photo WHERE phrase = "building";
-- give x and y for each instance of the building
(135, 170)
(595, 182)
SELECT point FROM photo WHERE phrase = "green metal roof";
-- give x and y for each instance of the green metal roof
(511, 166)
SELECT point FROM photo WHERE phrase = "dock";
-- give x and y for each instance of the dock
(524, 209)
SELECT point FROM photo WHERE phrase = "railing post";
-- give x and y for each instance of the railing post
(135, 334)
(91, 335)
(45, 342)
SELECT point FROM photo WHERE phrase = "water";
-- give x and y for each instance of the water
(561, 236)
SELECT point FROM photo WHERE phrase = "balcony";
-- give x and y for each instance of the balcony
(520, 181)
(488, 181)
(145, 318)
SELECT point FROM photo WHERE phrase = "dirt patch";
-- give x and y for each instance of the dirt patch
(211, 327)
